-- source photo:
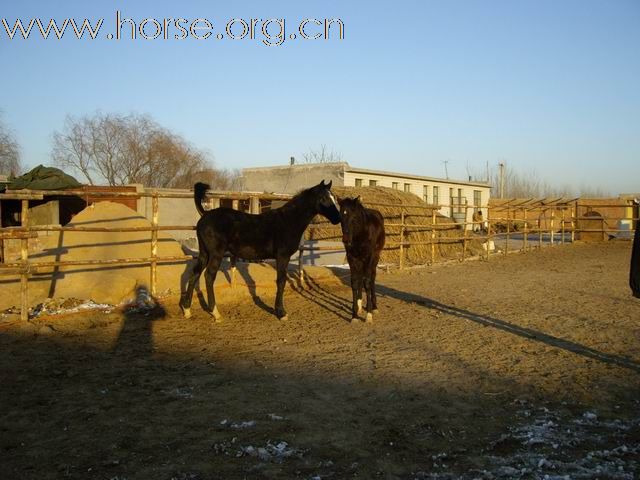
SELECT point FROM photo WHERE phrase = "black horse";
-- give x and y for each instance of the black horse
(274, 234)
(363, 237)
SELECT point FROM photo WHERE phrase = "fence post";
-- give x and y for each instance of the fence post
(540, 227)
(464, 233)
(254, 205)
(562, 220)
(24, 256)
(525, 230)
(574, 221)
(506, 246)
(553, 217)
(402, 240)
(489, 237)
(433, 236)
(154, 242)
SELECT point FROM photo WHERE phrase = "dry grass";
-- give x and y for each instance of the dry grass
(392, 203)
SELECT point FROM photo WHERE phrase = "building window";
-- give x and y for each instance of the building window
(436, 195)
(407, 187)
(394, 185)
(425, 194)
(477, 198)
(373, 183)
(358, 182)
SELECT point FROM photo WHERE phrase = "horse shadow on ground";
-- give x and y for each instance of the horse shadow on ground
(325, 298)
(528, 333)
(342, 307)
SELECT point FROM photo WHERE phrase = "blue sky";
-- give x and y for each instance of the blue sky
(547, 86)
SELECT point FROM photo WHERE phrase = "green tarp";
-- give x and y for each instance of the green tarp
(44, 178)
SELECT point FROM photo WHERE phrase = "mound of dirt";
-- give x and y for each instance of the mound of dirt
(415, 214)
(101, 283)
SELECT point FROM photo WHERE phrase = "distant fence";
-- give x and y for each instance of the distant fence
(530, 223)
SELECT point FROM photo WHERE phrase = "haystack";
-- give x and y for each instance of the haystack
(391, 203)
(100, 283)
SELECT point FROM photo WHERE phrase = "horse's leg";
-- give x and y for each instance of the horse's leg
(367, 290)
(374, 271)
(233, 261)
(210, 278)
(185, 301)
(355, 268)
(356, 290)
(281, 265)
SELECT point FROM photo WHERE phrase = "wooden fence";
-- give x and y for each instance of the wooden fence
(25, 232)
(564, 222)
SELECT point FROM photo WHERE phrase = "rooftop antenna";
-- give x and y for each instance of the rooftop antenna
(446, 170)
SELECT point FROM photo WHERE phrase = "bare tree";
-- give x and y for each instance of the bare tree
(120, 150)
(530, 185)
(322, 155)
(9, 152)
(224, 179)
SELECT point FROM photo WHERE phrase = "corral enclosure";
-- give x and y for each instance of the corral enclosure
(416, 234)
(527, 366)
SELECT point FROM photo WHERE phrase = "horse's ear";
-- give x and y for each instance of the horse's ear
(329, 184)
(357, 199)
(322, 183)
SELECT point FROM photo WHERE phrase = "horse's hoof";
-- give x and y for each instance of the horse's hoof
(285, 318)
(216, 315)
(369, 318)
(360, 306)
(186, 312)
(355, 320)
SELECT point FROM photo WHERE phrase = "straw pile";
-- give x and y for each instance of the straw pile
(416, 215)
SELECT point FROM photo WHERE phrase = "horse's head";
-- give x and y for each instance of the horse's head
(350, 218)
(327, 204)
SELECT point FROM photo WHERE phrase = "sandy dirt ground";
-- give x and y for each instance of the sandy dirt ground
(522, 367)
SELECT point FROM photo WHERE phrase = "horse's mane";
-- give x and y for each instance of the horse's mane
(296, 199)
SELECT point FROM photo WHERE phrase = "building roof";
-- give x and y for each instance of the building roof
(345, 167)
(412, 176)
(339, 165)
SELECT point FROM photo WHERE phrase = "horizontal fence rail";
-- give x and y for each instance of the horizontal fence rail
(556, 222)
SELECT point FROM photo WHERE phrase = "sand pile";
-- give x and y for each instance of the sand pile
(415, 214)
(100, 283)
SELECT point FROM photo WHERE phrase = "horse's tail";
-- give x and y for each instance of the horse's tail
(199, 191)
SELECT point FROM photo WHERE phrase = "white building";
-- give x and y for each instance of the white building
(451, 195)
